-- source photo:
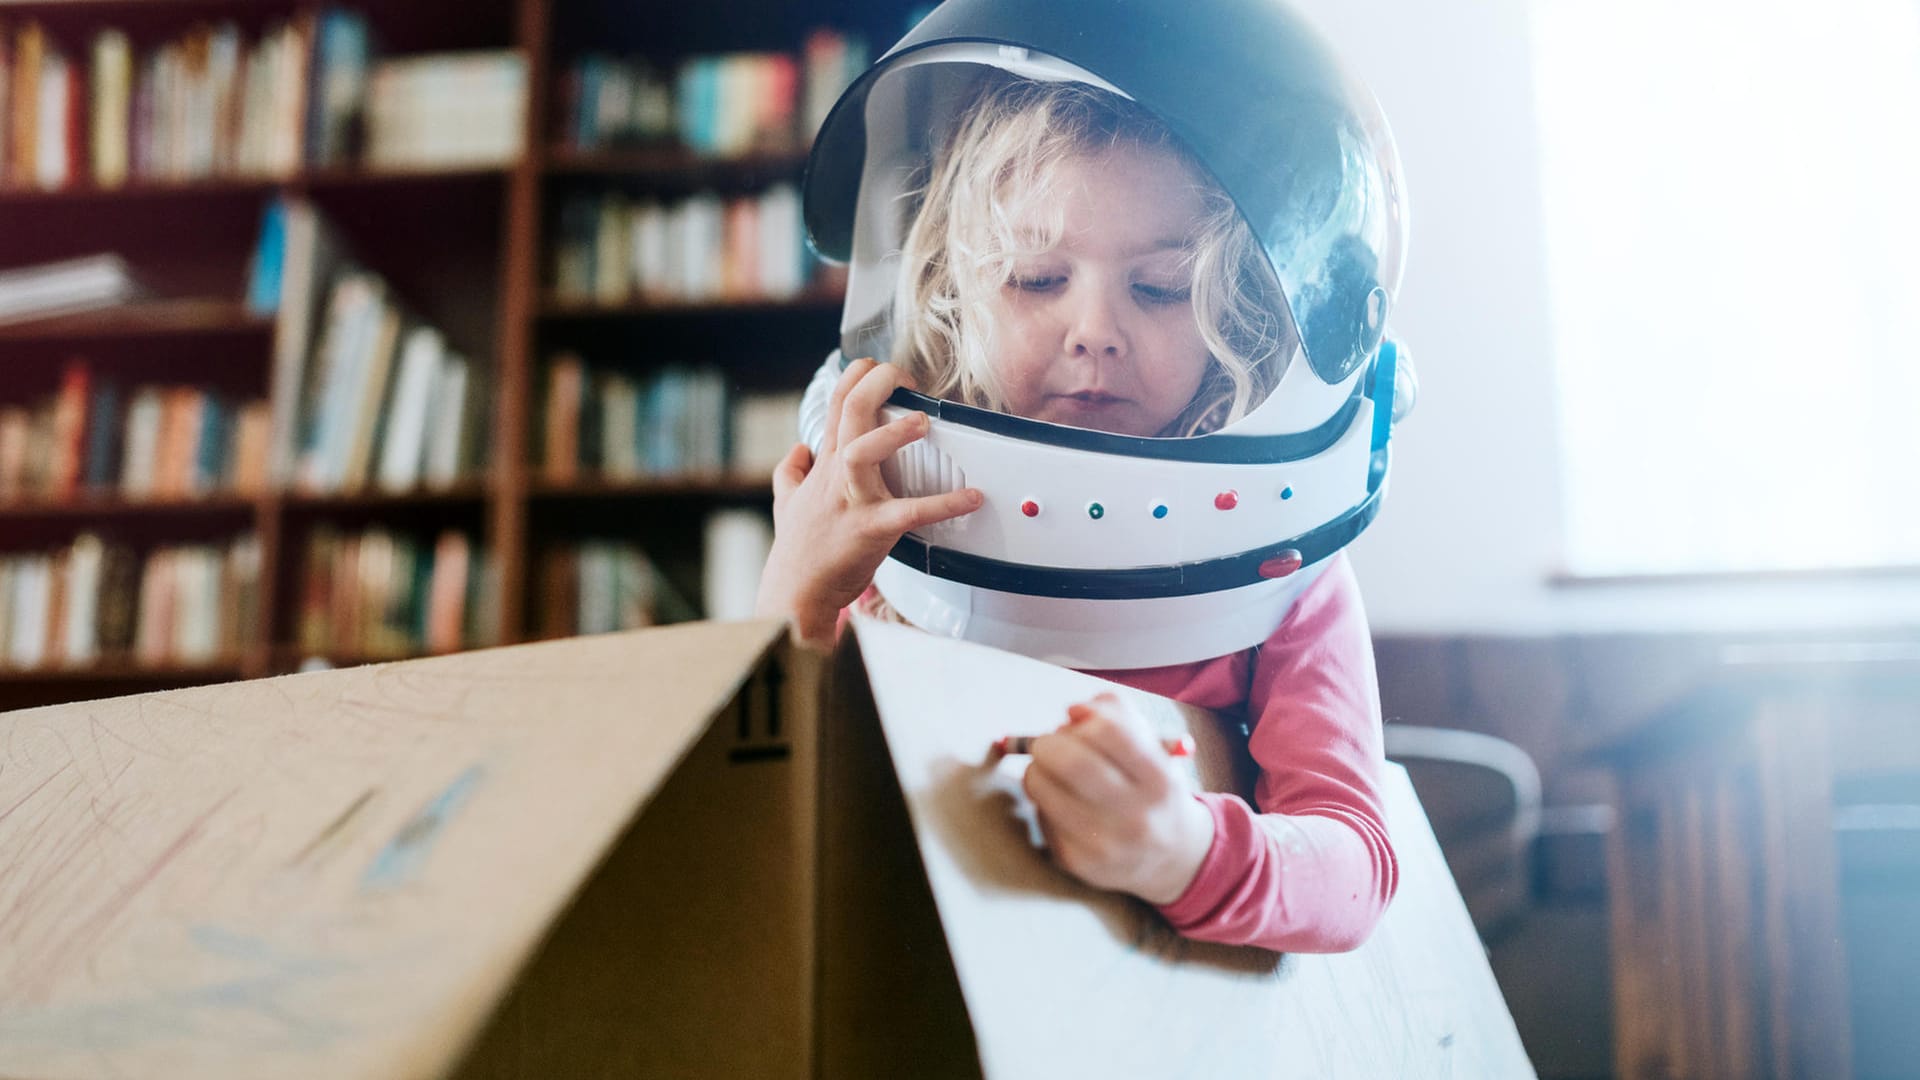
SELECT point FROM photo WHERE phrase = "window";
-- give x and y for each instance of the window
(1732, 200)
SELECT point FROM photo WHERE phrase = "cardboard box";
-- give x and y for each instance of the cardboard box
(689, 851)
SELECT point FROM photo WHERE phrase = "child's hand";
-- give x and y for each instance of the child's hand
(1113, 812)
(834, 518)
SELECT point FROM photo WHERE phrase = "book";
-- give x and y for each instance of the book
(139, 464)
(447, 601)
(27, 643)
(620, 427)
(103, 437)
(338, 89)
(241, 622)
(153, 637)
(85, 283)
(52, 632)
(455, 414)
(311, 255)
(269, 260)
(403, 450)
(6, 127)
(212, 446)
(373, 376)
(252, 441)
(112, 106)
(119, 593)
(29, 51)
(566, 383)
(69, 432)
(736, 544)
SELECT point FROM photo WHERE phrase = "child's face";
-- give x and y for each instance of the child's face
(1098, 332)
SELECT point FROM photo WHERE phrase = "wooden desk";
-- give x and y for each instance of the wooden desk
(1727, 952)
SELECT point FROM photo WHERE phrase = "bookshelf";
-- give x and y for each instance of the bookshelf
(471, 250)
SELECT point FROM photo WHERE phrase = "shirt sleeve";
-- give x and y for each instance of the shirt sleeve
(1313, 870)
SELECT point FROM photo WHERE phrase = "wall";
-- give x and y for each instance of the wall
(1470, 533)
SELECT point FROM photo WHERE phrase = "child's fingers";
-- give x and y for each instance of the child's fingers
(861, 411)
(881, 443)
(1080, 769)
(854, 372)
(1061, 810)
(791, 471)
(1104, 728)
(862, 457)
(901, 516)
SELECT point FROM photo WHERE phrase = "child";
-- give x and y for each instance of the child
(1071, 262)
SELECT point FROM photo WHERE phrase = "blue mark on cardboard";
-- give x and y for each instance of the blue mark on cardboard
(406, 853)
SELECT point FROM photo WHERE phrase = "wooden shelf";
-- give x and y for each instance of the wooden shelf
(345, 178)
(119, 506)
(469, 491)
(126, 669)
(141, 189)
(704, 485)
(173, 318)
(674, 163)
(324, 180)
(810, 301)
(185, 9)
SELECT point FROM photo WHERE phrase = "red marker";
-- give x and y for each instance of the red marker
(1023, 744)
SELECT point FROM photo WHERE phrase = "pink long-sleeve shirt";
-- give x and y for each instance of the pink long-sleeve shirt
(1312, 869)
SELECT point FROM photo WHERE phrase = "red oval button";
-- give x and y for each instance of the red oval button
(1281, 565)
(1030, 508)
(1226, 500)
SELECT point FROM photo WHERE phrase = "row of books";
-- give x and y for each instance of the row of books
(93, 600)
(378, 594)
(611, 249)
(446, 110)
(145, 442)
(602, 586)
(615, 425)
(306, 92)
(723, 105)
(375, 396)
(204, 104)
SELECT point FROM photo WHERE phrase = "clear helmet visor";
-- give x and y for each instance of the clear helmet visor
(1301, 314)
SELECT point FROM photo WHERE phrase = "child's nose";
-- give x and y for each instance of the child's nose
(1094, 329)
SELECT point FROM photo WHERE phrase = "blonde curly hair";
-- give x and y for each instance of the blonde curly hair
(1001, 158)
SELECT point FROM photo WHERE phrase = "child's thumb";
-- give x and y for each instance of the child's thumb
(792, 470)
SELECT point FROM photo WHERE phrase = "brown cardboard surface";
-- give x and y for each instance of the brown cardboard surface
(646, 854)
(1063, 980)
(690, 951)
(335, 874)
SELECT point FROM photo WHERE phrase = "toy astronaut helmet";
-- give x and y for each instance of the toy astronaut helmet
(1107, 551)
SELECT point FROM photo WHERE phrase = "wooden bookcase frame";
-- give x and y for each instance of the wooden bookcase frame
(510, 492)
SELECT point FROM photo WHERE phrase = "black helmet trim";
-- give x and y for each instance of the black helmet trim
(1221, 449)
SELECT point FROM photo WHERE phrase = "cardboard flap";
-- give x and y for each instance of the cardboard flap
(332, 874)
(1060, 979)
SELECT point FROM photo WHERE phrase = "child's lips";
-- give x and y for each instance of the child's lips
(1090, 399)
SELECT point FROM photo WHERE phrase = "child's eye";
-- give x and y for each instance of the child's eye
(1036, 282)
(1161, 294)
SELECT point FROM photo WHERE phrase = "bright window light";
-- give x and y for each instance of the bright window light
(1732, 195)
